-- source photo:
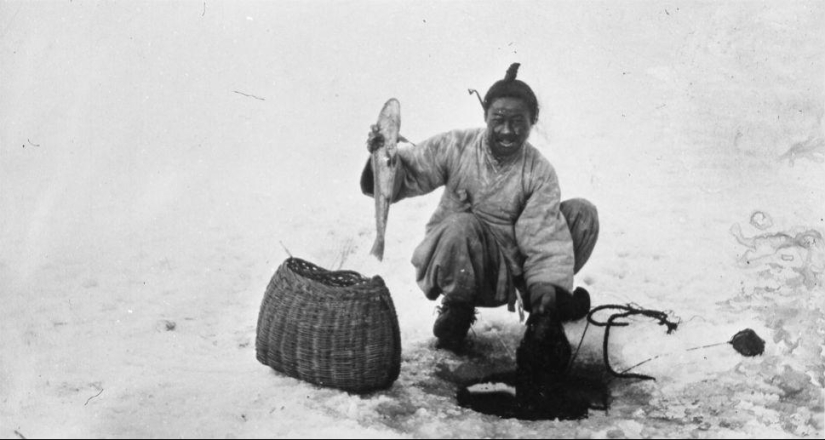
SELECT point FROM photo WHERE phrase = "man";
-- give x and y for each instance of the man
(500, 234)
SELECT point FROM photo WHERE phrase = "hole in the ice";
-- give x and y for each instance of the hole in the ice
(572, 398)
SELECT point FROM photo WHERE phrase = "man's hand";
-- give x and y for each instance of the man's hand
(542, 298)
(375, 139)
(549, 299)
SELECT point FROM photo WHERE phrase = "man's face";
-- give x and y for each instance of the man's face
(508, 125)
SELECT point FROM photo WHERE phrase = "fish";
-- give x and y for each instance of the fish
(384, 167)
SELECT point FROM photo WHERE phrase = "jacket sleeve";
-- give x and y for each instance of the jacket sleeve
(422, 168)
(542, 233)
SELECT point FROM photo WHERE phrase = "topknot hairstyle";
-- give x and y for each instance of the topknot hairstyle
(510, 87)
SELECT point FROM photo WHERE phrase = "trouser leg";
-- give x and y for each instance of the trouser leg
(460, 260)
(583, 221)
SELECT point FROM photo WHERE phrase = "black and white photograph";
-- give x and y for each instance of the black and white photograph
(412, 219)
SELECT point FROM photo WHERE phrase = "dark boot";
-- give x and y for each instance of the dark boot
(453, 322)
(572, 307)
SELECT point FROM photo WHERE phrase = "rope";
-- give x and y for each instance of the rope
(576, 353)
(613, 321)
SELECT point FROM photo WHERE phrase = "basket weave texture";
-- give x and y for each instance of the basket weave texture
(331, 328)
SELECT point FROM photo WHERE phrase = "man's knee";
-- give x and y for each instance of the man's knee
(583, 221)
(581, 215)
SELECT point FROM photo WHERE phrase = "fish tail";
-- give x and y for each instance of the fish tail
(378, 248)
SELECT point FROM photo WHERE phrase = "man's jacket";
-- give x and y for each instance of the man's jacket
(517, 199)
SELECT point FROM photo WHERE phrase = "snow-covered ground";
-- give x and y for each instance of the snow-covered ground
(154, 156)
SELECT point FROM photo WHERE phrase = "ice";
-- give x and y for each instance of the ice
(772, 252)
(153, 156)
(761, 220)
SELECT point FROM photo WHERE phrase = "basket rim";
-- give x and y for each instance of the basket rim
(348, 279)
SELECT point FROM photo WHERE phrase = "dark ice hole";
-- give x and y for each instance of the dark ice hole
(568, 399)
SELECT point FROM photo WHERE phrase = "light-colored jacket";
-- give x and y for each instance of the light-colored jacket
(517, 199)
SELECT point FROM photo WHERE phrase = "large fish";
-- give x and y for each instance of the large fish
(384, 163)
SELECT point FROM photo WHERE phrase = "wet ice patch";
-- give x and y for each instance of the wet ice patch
(761, 220)
(793, 257)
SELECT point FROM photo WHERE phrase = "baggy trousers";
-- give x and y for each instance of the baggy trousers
(465, 265)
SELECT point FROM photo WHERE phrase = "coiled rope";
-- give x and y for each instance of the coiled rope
(625, 311)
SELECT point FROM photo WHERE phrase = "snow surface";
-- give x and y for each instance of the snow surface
(154, 156)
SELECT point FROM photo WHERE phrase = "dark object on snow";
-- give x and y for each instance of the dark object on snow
(748, 343)
(541, 360)
(453, 322)
(331, 328)
(573, 307)
(542, 355)
(540, 388)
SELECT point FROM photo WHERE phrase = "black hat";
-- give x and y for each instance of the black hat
(511, 87)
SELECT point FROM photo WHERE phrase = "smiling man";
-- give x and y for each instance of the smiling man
(500, 235)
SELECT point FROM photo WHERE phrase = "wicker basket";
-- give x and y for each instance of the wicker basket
(335, 329)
